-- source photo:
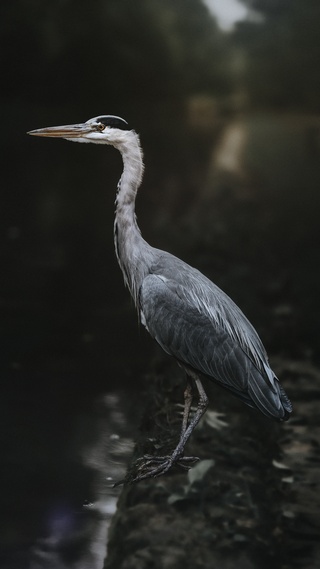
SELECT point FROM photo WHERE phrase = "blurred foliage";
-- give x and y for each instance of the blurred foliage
(63, 50)
(283, 53)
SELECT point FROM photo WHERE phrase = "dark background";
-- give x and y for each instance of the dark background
(68, 329)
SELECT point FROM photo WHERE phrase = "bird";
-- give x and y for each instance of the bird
(188, 315)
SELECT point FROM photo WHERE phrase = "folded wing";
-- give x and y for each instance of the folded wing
(188, 330)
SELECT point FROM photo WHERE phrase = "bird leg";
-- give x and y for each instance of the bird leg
(188, 396)
(159, 465)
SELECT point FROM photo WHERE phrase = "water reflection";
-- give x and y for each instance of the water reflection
(77, 538)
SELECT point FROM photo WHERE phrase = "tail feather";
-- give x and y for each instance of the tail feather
(273, 403)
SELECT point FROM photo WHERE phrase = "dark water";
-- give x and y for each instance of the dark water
(77, 532)
(58, 468)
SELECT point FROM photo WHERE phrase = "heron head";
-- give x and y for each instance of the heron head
(104, 129)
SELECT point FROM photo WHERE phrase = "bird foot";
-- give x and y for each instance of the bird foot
(154, 466)
(150, 466)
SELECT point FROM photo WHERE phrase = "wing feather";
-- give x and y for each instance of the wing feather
(198, 333)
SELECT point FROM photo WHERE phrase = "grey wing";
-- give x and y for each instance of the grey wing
(198, 341)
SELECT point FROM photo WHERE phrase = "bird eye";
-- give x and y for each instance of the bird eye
(101, 126)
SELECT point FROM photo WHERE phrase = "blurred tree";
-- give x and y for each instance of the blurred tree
(283, 48)
(63, 50)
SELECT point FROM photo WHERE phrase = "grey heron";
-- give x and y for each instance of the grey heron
(191, 318)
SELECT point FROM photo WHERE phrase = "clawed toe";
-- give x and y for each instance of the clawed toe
(154, 466)
(149, 466)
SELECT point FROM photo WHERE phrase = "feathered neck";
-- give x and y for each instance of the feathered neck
(133, 252)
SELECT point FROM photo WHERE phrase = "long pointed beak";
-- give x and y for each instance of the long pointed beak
(67, 131)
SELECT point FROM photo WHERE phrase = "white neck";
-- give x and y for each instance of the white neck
(133, 253)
